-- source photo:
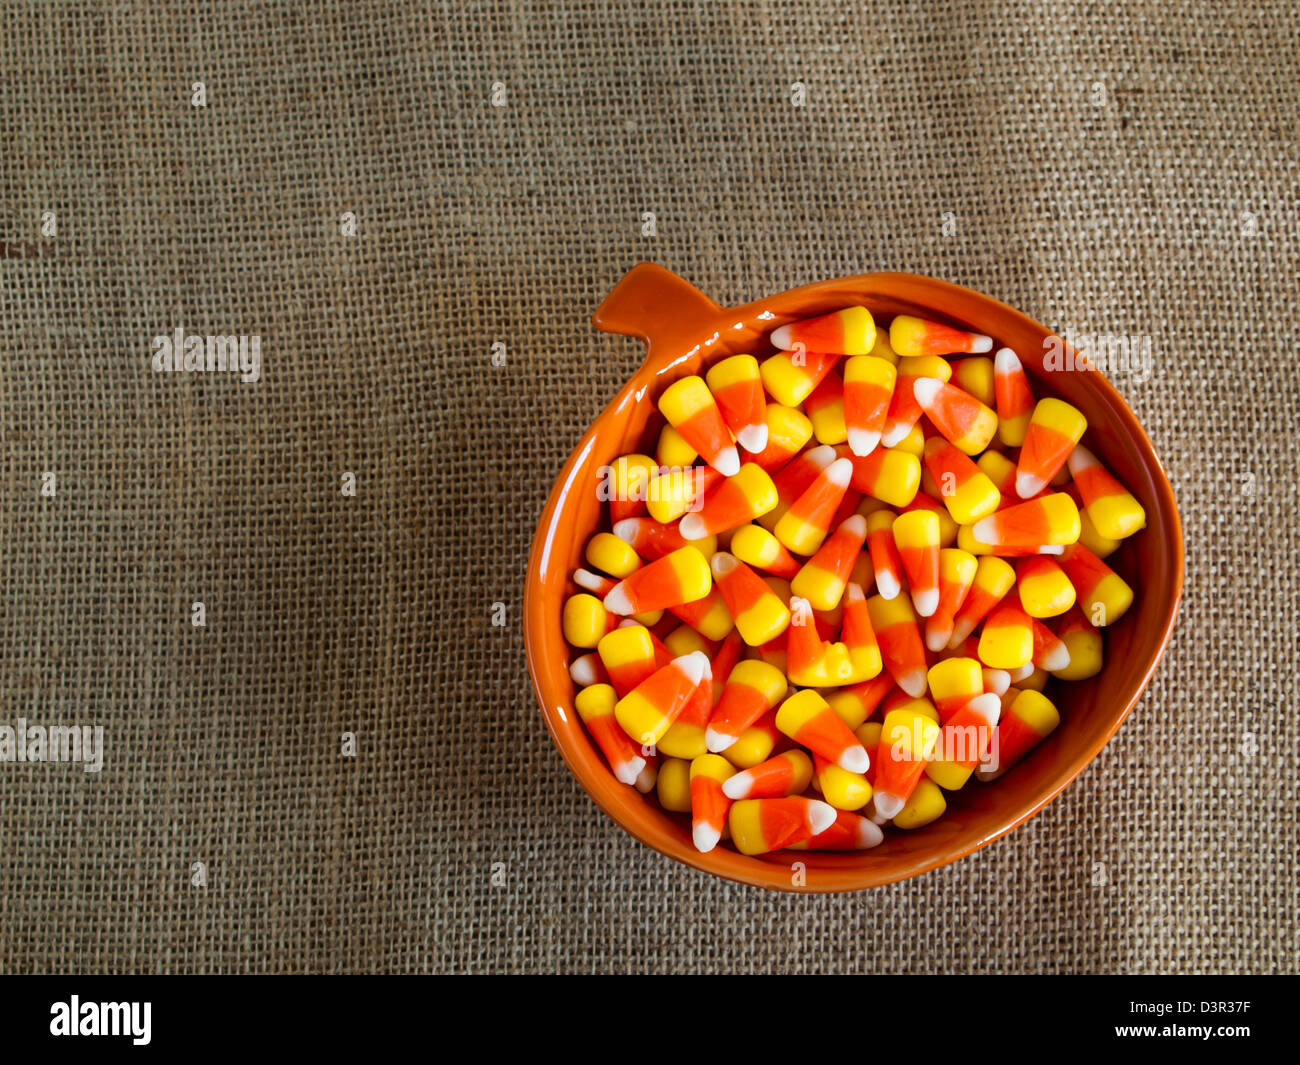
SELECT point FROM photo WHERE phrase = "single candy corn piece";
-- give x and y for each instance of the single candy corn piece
(756, 743)
(682, 577)
(825, 409)
(709, 804)
(790, 376)
(967, 542)
(806, 524)
(1048, 520)
(759, 615)
(762, 825)
(708, 616)
(685, 736)
(1112, 508)
(1023, 673)
(735, 501)
(892, 476)
(996, 681)
(600, 586)
(924, 805)
(963, 420)
(849, 832)
(724, 660)
(595, 705)
(628, 655)
(967, 734)
(868, 388)
(842, 789)
(787, 773)
(954, 682)
(1084, 644)
(689, 407)
(947, 527)
(913, 443)
(586, 620)
(916, 533)
(626, 486)
(1045, 591)
(1103, 594)
(1054, 429)
(1007, 640)
(900, 642)
(788, 430)
(976, 376)
(808, 720)
(649, 710)
(651, 539)
(795, 479)
(586, 670)
(737, 389)
(859, 637)
(965, 489)
(753, 689)
(611, 555)
(900, 700)
(907, 741)
(994, 577)
(858, 702)
(646, 779)
(683, 639)
(1002, 472)
(757, 547)
(824, 576)
(1015, 402)
(904, 410)
(1101, 546)
(674, 785)
(885, 560)
(672, 450)
(851, 331)
(957, 571)
(1050, 651)
(1026, 722)
(910, 336)
(676, 490)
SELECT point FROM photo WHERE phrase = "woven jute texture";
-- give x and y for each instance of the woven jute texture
(1118, 169)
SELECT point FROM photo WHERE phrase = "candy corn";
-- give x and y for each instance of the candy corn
(965, 489)
(823, 577)
(1113, 510)
(963, 420)
(1102, 593)
(678, 578)
(787, 432)
(790, 376)
(690, 409)
(890, 475)
(885, 560)
(737, 389)
(1007, 641)
(627, 484)
(674, 490)
(840, 788)
(805, 525)
(848, 832)
(752, 689)
(825, 409)
(1049, 520)
(1015, 402)
(904, 410)
(759, 615)
(762, 825)
(957, 571)
(628, 655)
(910, 336)
(1083, 642)
(994, 577)
(757, 547)
(916, 534)
(585, 620)
(900, 642)
(907, 742)
(1054, 429)
(966, 736)
(595, 705)
(788, 773)
(954, 682)
(649, 710)
(794, 479)
(1025, 723)
(808, 720)
(652, 540)
(674, 785)
(851, 331)
(1045, 590)
(868, 388)
(734, 502)
(709, 803)
(673, 450)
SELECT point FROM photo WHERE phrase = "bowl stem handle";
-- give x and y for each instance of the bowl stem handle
(656, 305)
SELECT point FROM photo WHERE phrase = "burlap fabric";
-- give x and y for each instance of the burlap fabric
(1121, 169)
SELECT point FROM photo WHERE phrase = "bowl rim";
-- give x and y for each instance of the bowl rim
(756, 871)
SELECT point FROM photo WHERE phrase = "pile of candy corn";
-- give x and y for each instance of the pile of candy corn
(857, 523)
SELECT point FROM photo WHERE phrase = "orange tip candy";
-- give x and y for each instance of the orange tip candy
(762, 825)
(1114, 512)
(759, 615)
(910, 336)
(788, 773)
(679, 578)
(1054, 429)
(868, 388)
(808, 720)
(1050, 520)
(1015, 402)
(962, 419)
(737, 388)
(851, 331)
(690, 409)
(736, 501)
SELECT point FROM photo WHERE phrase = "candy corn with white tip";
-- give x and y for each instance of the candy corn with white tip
(910, 336)
(907, 742)
(795, 479)
(595, 705)
(1054, 429)
(1007, 639)
(709, 804)
(954, 682)
(1084, 644)
(685, 736)
(627, 485)
(885, 561)
(1103, 595)
(628, 655)
(900, 641)
(1045, 591)
(649, 710)
(787, 773)
(790, 376)
(840, 788)
(808, 720)
(607, 553)
(690, 409)
(994, 577)
(858, 702)
(964, 488)
(759, 826)
(851, 331)
(957, 571)
(904, 410)
(924, 805)
(916, 534)
(652, 540)
(586, 670)
(806, 524)
(759, 615)
(976, 376)
(962, 419)
(849, 832)
(1112, 508)
(757, 547)
(824, 576)
(1050, 520)
(1050, 652)
(1027, 721)
(736, 501)
(859, 637)
(887, 474)
(676, 579)
(1015, 402)
(737, 389)
(788, 430)
(675, 490)
(708, 616)
(753, 689)
(966, 735)
(868, 388)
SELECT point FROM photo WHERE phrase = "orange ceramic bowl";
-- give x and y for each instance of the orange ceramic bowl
(686, 333)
